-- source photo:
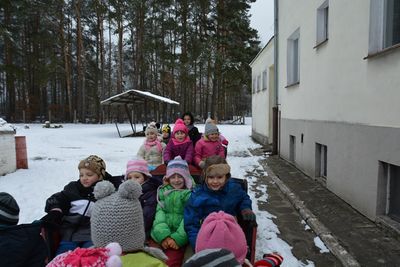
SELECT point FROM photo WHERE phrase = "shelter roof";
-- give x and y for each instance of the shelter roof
(133, 96)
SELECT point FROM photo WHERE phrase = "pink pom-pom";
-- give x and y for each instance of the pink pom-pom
(114, 249)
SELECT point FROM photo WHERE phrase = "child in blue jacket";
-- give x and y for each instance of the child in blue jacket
(217, 193)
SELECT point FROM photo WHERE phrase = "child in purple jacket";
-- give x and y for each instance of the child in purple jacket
(179, 144)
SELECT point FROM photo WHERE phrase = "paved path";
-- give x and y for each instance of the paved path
(352, 238)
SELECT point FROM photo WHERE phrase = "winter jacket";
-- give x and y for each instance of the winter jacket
(76, 202)
(205, 148)
(231, 199)
(22, 245)
(194, 134)
(141, 259)
(185, 150)
(153, 156)
(169, 215)
(148, 200)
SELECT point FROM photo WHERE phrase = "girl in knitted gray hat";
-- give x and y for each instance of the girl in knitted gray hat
(168, 228)
(152, 148)
(70, 209)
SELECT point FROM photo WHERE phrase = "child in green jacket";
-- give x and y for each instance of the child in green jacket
(168, 227)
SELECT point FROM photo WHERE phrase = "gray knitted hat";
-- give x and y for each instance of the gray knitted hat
(210, 127)
(9, 209)
(212, 257)
(118, 217)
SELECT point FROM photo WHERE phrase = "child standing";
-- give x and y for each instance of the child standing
(166, 133)
(71, 208)
(194, 134)
(210, 144)
(138, 170)
(217, 193)
(168, 228)
(152, 148)
(180, 144)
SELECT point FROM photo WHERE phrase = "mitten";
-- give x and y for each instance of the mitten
(202, 164)
(270, 260)
(53, 217)
(248, 215)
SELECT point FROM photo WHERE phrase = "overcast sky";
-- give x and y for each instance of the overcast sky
(262, 19)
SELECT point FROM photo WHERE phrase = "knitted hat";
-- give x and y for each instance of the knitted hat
(179, 166)
(118, 217)
(210, 127)
(137, 165)
(166, 128)
(180, 126)
(82, 257)
(270, 260)
(212, 257)
(151, 128)
(220, 230)
(9, 209)
(95, 164)
(216, 166)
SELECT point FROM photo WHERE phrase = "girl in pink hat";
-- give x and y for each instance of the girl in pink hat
(179, 144)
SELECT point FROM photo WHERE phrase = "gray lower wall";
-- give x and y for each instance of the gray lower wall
(259, 138)
(354, 156)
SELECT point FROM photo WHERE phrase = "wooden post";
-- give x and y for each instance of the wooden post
(21, 154)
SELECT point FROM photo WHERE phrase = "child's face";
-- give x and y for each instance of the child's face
(216, 182)
(165, 134)
(187, 120)
(213, 137)
(177, 181)
(137, 176)
(88, 177)
(180, 136)
(151, 136)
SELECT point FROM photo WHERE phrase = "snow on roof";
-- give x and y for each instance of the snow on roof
(6, 127)
(133, 96)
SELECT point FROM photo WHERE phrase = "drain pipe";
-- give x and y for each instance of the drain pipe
(276, 113)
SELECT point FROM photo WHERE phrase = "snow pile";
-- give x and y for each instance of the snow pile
(6, 127)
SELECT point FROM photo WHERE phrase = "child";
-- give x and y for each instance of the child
(194, 134)
(71, 208)
(180, 144)
(166, 133)
(209, 145)
(168, 229)
(20, 245)
(208, 257)
(152, 148)
(217, 192)
(139, 171)
(117, 217)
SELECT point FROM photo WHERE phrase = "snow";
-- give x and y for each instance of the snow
(54, 155)
(6, 127)
(319, 244)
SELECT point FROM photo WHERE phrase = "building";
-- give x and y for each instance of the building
(338, 92)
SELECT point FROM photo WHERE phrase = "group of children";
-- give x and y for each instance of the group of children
(153, 220)
(184, 141)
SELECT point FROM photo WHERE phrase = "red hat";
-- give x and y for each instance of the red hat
(269, 260)
(180, 126)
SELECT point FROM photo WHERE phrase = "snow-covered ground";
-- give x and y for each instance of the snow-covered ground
(54, 155)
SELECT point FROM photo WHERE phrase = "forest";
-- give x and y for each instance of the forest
(59, 58)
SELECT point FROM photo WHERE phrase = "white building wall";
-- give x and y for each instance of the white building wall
(8, 162)
(261, 97)
(343, 101)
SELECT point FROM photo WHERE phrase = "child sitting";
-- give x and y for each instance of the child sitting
(180, 144)
(193, 133)
(217, 192)
(118, 217)
(168, 228)
(166, 133)
(71, 208)
(152, 148)
(139, 171)
(210, 144)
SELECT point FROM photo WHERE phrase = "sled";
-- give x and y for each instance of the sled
(160, 171)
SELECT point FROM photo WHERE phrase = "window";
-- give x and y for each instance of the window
(254, 85)
(389, 182)
(321, 153)
(264, 80)
(322, 22)
(384, 25)
(293, 58)
(258, 83)
(292, 148)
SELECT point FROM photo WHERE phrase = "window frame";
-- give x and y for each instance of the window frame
(322, 32)
(293, 58)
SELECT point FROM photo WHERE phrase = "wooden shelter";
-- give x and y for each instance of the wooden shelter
(131, 100)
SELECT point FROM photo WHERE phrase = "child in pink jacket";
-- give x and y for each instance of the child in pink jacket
(210, 144)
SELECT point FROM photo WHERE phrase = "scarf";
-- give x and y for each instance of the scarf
(148, 144)
(176, 142)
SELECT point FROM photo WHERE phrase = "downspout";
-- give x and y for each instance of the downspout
(276, 112)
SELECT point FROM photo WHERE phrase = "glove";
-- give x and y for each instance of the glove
(248, 215)
(53, 217)
(202, 164)
(269, 260)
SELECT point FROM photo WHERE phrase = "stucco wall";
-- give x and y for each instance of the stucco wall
(7, 156)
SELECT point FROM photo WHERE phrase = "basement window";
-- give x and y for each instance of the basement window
(321, 160)
(389, 189)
